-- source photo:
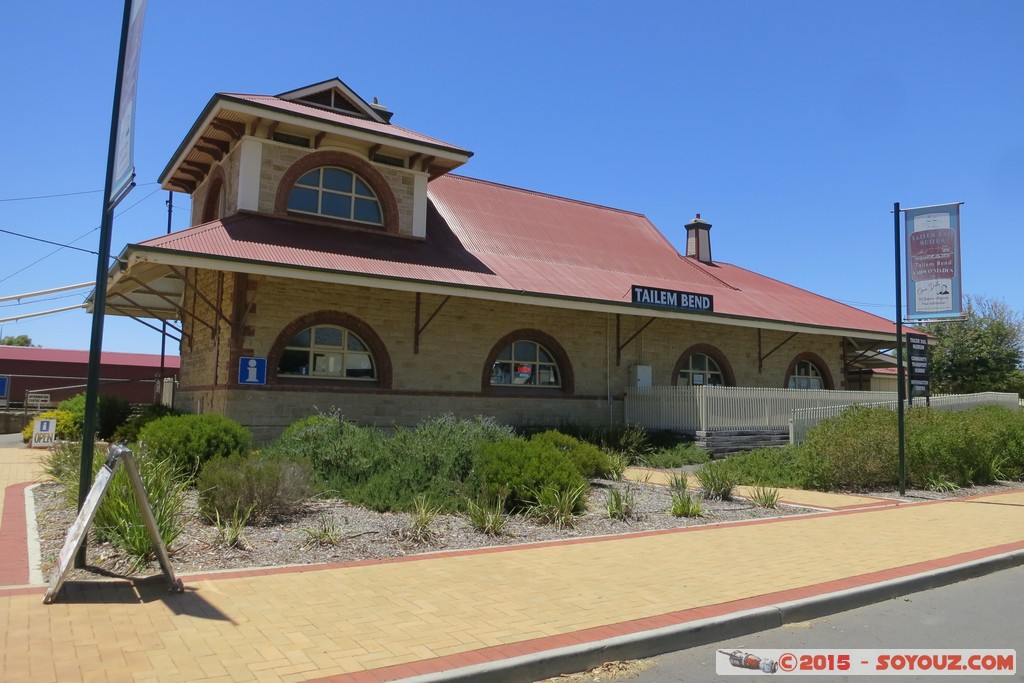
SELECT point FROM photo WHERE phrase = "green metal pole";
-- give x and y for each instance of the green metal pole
(901, 380)
(92, 385)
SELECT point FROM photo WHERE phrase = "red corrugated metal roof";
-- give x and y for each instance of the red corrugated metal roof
(32, 353)
(480, 234)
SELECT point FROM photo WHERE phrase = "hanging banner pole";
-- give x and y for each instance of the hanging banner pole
(901, 374)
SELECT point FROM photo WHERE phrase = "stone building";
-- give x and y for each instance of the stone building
(336, 262)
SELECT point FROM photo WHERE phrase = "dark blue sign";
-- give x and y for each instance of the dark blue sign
(252, 370)
(670, 298)
(4, 382)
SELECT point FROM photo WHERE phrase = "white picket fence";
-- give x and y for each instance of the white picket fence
(713, 408)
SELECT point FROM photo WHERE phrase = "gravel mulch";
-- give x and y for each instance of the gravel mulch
(364, 534)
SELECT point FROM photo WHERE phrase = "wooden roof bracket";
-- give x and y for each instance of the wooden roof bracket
(420, 328)
(619, 345)
(761, 358)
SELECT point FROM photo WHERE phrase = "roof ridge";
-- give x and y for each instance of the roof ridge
(689, 261)
(570, 200)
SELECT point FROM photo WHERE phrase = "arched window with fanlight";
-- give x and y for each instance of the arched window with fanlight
(808, 371)
(329, 348)
(327, 351)
(528, 359)
(338, 193)
(702, 365)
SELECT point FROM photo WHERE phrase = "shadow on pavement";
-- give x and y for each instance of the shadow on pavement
(139, 592)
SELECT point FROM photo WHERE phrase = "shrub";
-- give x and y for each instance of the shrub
(765, 497)
(685, 505)
(717, 480)
(676, 456)
(340, 452)
(119, 519)
(189, 441)
(517, 470)
(590, 460)
(386, 473)
(128, 431)
(487, 518)
(771, 466)
(557, 506)
(268, 487)
(856, 450)
(111, 411)
(63, 462)
(621, 503)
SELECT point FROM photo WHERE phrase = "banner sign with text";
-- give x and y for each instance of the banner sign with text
(670, 298)
(933, 262)
(917, 357)
(124, 152)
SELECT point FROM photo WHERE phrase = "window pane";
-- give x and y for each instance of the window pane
(358, 365)
(327, 364)
(501, 373)
(294, 362)
(302, 199)
(328, 336)
(363, 189)
(337, 205)
(505, 354)
(698, 361)
(524, 374)
(337, 179)
(547, 375)
(525, 350)
(312, 179)
(543, 356)
(301, 339)
(355, 343)
(367, 210)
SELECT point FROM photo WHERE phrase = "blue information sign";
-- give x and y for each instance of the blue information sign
(4, 383)
(252, 370)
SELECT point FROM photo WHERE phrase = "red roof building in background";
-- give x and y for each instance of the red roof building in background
(336, 262)
(58, 374)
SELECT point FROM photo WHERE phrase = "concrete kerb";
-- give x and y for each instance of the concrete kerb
(643, 644)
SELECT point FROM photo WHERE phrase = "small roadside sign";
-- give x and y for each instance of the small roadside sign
(5, 385)
(37, 400)
(44, 431)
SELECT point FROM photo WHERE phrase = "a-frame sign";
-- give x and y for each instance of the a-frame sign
(76, 534)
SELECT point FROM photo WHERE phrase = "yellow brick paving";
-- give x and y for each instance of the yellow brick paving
(817, 499)
(300, 625)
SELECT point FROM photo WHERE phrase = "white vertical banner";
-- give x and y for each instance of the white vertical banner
(124, 151)
(933, 274)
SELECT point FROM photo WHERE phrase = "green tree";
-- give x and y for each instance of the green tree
(982, 352)
(20, 340)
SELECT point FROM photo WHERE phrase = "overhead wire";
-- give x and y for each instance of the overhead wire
(68, 245)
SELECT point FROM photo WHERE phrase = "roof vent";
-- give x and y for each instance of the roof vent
(698, 240)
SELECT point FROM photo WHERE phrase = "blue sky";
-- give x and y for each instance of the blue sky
(791, 126)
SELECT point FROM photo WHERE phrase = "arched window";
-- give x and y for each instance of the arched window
(525, 363)
(702, 364)
(335, 193)
(327, 351)
(528, 359)
(808, 371)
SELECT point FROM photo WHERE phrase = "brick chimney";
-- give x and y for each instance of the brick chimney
(698, 240)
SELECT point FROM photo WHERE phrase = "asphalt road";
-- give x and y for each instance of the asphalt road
(983, 613)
